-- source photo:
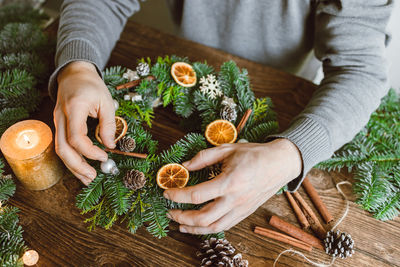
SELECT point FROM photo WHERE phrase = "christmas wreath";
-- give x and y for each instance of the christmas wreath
(129, 189)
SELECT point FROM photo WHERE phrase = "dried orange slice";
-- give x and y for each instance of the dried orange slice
(221, 132)
(120, 131)
(183, 74)
(172, 175)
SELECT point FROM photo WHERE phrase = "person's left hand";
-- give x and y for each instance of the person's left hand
(251, 174)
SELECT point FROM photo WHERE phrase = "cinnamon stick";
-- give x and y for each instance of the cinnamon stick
(243, 121)
(315, 198)
(316, 226)
(299, 213)
(133, 83)
(283, 238)
(295, 232)
(128, 84)
(131, 154)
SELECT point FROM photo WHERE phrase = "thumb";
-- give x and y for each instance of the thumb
(207, 157)
(107, 125)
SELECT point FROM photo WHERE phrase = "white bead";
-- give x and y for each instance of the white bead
(127, 97)
(109, 166)
(136, 98)
(116, 104)
(242, 141)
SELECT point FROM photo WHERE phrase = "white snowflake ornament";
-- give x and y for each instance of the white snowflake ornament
(210, 86)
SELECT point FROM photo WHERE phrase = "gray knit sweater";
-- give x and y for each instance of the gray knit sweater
(348, 36)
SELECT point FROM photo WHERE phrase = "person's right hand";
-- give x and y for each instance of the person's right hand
(82, 93)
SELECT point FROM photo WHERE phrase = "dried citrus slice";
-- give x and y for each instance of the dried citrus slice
(221, 132)
(120, 130)
(172, 175)
(183, 74)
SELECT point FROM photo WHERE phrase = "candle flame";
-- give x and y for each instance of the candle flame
(26, 138)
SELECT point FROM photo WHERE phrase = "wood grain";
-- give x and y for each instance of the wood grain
(54, 227)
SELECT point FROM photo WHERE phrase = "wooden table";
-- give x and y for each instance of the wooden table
(54, 227)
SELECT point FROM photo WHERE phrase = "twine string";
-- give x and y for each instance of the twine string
(336, 225)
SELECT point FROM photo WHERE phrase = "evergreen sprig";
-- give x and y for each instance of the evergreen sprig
(12, 244)
(374, 156)
(24, 49)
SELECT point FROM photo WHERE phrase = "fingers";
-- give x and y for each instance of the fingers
(225, 221)
(72, 160)
(208, 157)
(107, 125)
(216, 227)
(203, 217)
(77, 134)
(199, 193)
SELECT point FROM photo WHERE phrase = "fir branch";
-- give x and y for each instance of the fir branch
(390, 209)
(7, 188)
(11, 240)
(22, 13)
(156, 215)
(29, 62)
(260, 132)
(91, 194)
(22, 37)
(117, 194)
(372, 187)
(228, 75)
(202, 69)
(15, 83)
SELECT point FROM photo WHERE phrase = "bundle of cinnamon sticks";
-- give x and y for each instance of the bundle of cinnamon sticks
(294, 235)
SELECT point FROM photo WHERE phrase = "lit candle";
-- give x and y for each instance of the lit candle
(29, 149)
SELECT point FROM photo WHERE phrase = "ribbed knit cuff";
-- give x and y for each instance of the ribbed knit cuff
(76, 50)
(313, 142)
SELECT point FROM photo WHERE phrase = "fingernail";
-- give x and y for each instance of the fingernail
(182, 229)
(91, 175)
(169, 216)
(166, 195)
(113, 145)
(186, 163)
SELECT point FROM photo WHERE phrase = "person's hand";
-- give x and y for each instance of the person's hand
(82, 93)
(251, 174)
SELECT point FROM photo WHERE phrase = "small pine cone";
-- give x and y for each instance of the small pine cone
(127, 144)
(220, 252)
(214, 170)
(143, 69)
(228, 113)
(338, 244)
(134, 180)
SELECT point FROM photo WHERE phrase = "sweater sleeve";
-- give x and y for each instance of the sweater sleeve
(350, 40)
(88, 31)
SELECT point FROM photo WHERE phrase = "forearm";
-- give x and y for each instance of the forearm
(88, 31)
(350, 39)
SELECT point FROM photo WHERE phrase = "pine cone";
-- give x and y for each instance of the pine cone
(339, 244)
(228, 113)
(134, 180)
(214, 170)
(127, 144)
(219, 252)
(143, 69)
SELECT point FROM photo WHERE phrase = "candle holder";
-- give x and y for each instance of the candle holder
(29, 150)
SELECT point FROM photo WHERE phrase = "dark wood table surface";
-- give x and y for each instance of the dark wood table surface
(54, 227)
